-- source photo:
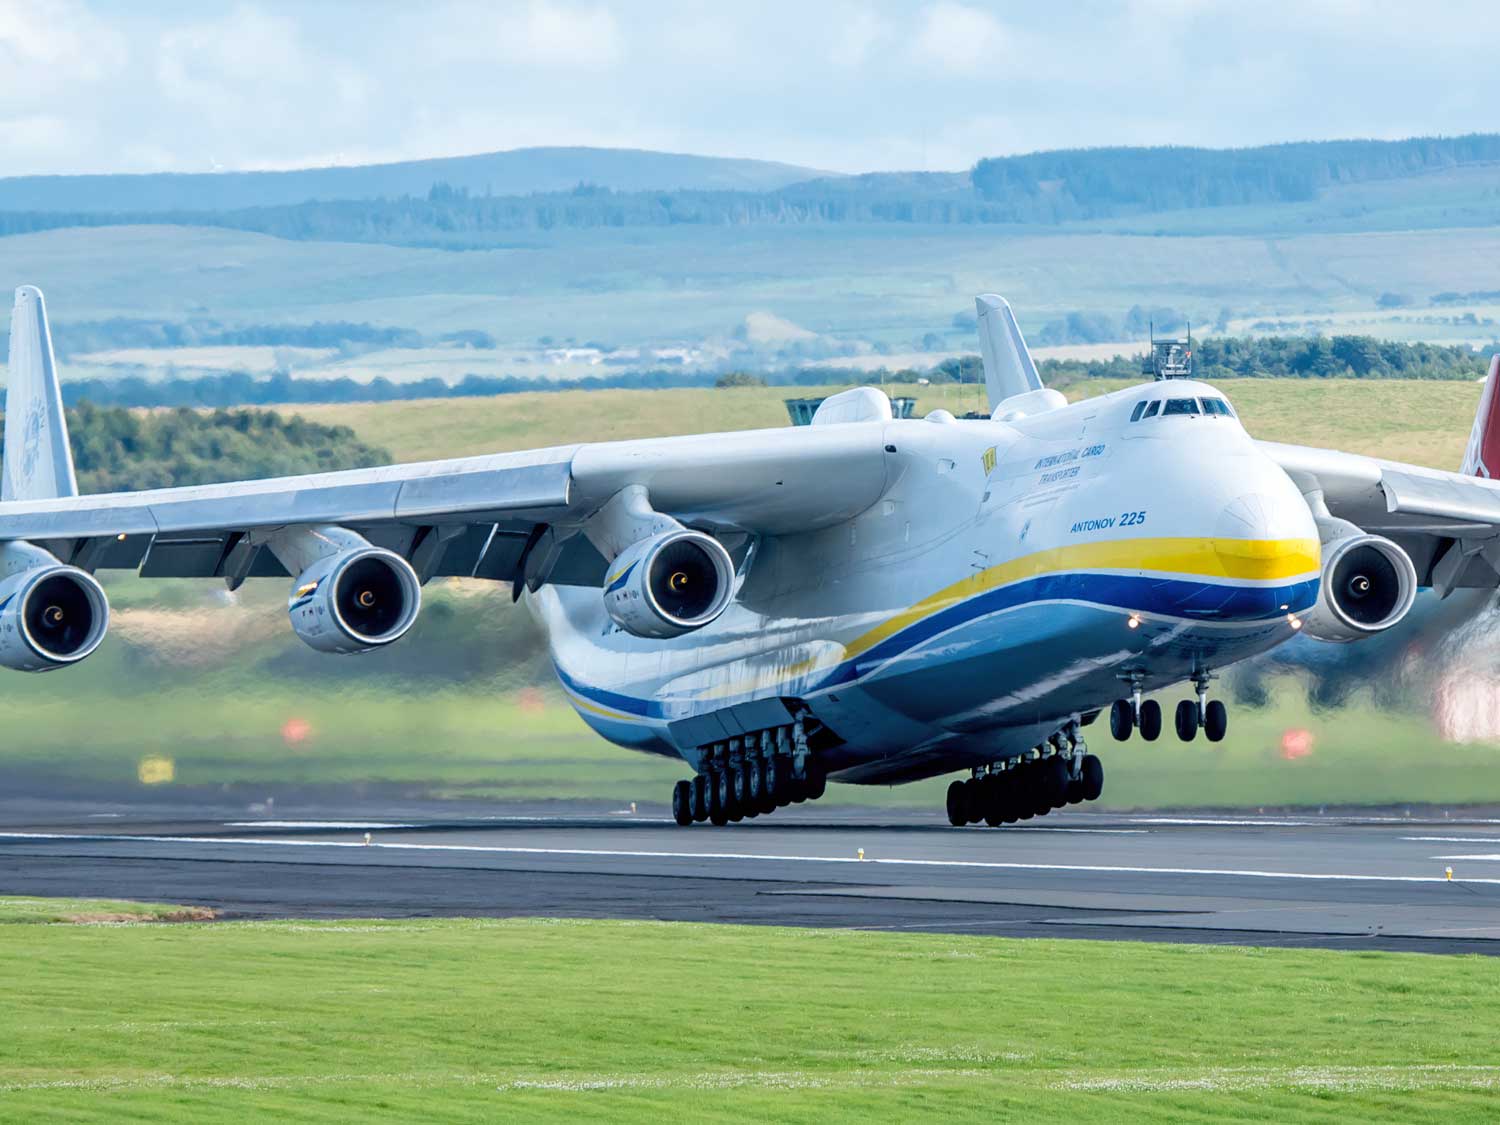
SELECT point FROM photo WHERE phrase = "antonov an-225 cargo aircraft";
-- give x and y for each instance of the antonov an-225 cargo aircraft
(865, 598)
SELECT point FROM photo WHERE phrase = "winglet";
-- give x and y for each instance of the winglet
(38, 459)
(1008, 369)
(1482, 458)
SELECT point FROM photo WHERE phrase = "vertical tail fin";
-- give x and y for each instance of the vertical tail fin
(1008, 369)
(1482, 459)
(38, 458)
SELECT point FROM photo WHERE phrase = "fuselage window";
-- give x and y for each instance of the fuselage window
(1181, 406)
(1151, 408)
(1135, 415)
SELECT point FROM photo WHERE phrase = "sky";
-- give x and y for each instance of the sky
(167, 85)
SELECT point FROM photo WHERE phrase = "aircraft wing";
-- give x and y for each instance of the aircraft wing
(1449, 523)
(474, 515)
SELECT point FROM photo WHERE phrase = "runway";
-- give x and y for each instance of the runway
(1338, 882)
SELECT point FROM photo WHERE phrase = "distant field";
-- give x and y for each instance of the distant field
(1426, 422)
(484, 1020)
(886, 283)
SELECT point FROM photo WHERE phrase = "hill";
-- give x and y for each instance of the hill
(514, 172)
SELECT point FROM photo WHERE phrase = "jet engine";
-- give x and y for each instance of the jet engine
(669, 584)
(50, 617)
(1368, 585)
(355, 601)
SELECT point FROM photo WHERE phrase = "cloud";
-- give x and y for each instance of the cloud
(851, 85)
(955, 37)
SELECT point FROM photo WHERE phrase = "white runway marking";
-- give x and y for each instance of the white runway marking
(605, 853)
(323, 824)
(1491, 857)
(1454, 839)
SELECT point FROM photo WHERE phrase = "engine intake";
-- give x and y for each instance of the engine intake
(669, 584)
(50, 617)
(1368, 585)
(356, 601)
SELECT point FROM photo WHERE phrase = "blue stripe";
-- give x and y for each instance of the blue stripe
(1172, 597)
(620, 581)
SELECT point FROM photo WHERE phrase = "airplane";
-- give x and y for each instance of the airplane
(865, 599)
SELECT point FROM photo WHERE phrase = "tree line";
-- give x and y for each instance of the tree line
(1033, 189)
(116, 449)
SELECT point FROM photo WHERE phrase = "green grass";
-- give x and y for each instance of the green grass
(17, 911)
(609, 1021)
(1422, 421)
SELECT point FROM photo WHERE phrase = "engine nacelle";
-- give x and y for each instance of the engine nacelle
(356, 601)
(1368, 585)
(51, 616)
(669, 584)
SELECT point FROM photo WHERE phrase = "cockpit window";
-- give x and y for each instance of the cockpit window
(1151, 408)
(1181, 406)
(1135, 415)
(1217, 406)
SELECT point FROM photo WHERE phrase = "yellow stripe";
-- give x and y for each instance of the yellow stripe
(1247, 559)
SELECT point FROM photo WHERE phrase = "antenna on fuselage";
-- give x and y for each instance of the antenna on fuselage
(1169, 359)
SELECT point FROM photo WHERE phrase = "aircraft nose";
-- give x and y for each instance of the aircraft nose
(1268, 540)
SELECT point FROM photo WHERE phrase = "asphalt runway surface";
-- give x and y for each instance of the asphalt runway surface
(1330, 881)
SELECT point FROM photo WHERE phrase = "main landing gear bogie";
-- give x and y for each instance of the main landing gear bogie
(1028, 787)
(748, 777)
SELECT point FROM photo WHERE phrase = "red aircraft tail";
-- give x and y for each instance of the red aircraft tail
(1483, 456)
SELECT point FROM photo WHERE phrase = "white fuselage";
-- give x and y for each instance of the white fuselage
(1013, 577)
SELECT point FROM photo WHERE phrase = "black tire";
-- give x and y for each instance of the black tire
(741, 785)
(755, 771)
(1091, 777)
(990, 795)
(1215, 720)
(767, 798)
(700, 798)
(956, 815)
(973, 812)
(718, 811)
(1121, 719)
(724, 787)
(1150, 720)
(682, 803)
(1075, 791)
(1055, 780)
(817, 782)
(1010, 793)
(1186, 719)
(778, 777)
(1025, 792)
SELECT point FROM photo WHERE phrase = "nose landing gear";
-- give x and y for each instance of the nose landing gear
(1135, 713)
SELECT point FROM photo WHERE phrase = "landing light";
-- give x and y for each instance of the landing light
(1134, 622)
(1294, 621)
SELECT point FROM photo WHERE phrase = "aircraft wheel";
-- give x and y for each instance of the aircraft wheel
(956, 815)
(1010, 793)
(1121, 719)
(718, 807)
(1186, 720)
(755, 771)
(990, 795)
(1091, 777)
(1026, 798)
(682, 803)
(817, 781)
(1055, 783)
(1215, 720)
(741, 784)
(700, 798)
(1075, 791)
(778, 779)
(1150, 720)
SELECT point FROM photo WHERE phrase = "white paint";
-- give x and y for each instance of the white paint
(604, 853)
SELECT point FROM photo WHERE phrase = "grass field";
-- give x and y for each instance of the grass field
(1426, 422)
(607, 1021)
(884, 283)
